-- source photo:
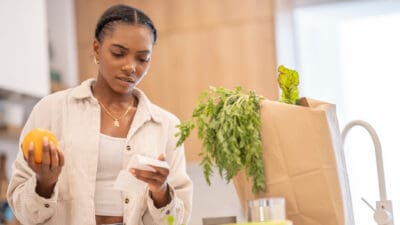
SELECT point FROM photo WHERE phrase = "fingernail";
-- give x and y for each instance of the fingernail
(31, 145)
(51, 145)
(45, 140)
(133, 171)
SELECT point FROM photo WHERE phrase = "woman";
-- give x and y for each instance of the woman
(100, 125)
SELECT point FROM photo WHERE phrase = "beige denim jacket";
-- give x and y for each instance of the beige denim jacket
(73, 116)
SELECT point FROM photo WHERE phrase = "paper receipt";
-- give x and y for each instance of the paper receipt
(144, 163)
(127, 182)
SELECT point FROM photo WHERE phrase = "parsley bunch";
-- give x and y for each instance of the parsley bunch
(228, 123)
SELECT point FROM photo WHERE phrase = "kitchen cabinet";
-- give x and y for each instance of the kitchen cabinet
(24, 58)
(14, 110)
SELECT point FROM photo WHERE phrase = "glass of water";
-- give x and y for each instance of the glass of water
(266, 209)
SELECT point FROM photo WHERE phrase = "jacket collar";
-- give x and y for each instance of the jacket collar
(84, 91)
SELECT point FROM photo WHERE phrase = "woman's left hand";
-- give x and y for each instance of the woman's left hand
(157, 183)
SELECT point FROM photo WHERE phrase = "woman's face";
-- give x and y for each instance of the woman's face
(124, 56)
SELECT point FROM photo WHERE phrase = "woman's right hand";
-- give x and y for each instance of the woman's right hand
(49, 170)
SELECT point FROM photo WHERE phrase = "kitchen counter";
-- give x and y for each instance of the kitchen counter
(287, 222)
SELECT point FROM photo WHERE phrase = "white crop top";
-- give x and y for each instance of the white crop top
(108, 201)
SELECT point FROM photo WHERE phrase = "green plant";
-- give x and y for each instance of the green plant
(228, 123)
(288, 82)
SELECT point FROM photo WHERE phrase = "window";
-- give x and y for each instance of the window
(348, 54)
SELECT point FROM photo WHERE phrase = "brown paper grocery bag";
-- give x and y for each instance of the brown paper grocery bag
(303, 163)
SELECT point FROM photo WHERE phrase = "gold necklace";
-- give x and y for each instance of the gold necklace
(116, 120)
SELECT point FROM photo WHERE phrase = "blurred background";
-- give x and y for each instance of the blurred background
(345, 51)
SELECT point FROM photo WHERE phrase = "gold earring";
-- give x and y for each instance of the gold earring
(96, 61)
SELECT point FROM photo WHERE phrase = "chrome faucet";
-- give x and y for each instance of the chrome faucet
(383, 212)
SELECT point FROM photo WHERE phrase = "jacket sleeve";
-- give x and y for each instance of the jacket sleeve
(180, 185)
(27, 205)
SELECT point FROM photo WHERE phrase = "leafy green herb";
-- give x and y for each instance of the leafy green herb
(288, 82)
(228, 123)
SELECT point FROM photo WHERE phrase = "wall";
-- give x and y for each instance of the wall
(62, 37)
(23, 42)
(216, 200)
(201, 43)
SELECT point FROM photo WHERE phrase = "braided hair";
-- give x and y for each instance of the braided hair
(122, 14)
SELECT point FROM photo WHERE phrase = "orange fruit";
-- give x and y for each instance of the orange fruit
(36, 136)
